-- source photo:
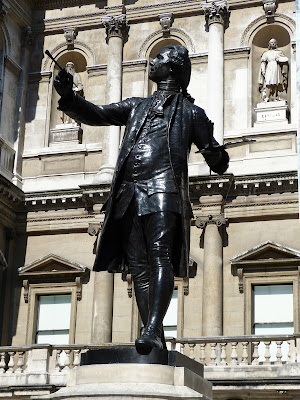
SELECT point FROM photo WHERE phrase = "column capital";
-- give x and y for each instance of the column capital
(218, 220)
(216, 12)
(115, 26)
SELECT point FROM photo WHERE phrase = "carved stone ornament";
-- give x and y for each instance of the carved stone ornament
(219, 220)
(115, 26)
(28, 36)
(270, 7)
(216, 12)
(94, 229)
(3, 10)
(166, 20)
(70, 36)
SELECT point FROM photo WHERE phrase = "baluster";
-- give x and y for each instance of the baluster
(67, 359)
(213, 354)
(245, 353)
(20, 363)
(182, 348)
(192, 350)
(202, 353)
(2, 362)
(234, 356)
(58, 366)
(76, 361)
(173, 345)
(278, 353)
(267, 353)
(255, 354)
(289, 351)
(223, 354)
(11, 362)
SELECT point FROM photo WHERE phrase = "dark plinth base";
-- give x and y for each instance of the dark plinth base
(131, 356)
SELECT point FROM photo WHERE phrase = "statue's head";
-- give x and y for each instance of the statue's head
(272, 44)
(70, 67)
(171, 62)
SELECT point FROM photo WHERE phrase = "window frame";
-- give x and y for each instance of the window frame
(269, 279)
(37, 290)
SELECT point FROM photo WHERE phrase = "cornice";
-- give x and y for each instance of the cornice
(18, 13)
(10, 195)
(230, 186)
(133, 13)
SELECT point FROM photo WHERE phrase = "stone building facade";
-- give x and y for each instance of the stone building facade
(55, 175)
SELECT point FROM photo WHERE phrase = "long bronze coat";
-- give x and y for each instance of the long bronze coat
(187, 124)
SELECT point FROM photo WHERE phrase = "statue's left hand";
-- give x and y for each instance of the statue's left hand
(212, 157)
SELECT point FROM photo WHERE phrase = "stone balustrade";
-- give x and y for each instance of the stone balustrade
(226, 357)
(240, 350)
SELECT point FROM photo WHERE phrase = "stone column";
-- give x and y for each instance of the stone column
(212, 222)
(103, 295)
(116, 30)
(217, 19)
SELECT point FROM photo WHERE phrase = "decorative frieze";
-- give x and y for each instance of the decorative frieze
(217, 12)
(166, 20)
(218, 220)
(115, 26)
(270, 7)
(70, 34)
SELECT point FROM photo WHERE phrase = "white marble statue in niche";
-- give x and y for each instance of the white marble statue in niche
(77, 88)
(273, 73)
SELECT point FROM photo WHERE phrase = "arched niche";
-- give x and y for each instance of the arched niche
(80, 64)
(259, 46)
(152, 53)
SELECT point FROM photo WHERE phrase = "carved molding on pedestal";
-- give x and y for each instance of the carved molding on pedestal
(219, 220)
(166, 20)
(115, 26)
(270, 7)
(217, 12)
(70, 34)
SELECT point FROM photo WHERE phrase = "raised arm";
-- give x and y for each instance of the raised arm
(88, 113)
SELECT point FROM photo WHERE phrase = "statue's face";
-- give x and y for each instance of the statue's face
(160, 68)
(70, 67)
(273, 44)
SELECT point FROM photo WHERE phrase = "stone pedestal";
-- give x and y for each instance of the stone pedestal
(70, 133)
(273, 112)
(138, 377)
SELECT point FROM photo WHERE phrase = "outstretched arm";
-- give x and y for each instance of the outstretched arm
(217, 159)
(88, 113)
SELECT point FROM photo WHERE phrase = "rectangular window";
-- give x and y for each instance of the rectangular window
(170, 320)
(53, 324)
(273, 314)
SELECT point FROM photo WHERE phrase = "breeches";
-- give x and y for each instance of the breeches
(147, 241)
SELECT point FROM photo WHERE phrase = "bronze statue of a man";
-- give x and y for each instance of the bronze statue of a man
(148, 212)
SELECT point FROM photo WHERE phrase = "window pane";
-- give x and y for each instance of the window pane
(52, 337)
(273, 303)
(54, 312)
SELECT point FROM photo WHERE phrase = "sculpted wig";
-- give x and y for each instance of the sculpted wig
(181, 66)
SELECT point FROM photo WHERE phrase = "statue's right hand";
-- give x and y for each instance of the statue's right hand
(63, 84)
